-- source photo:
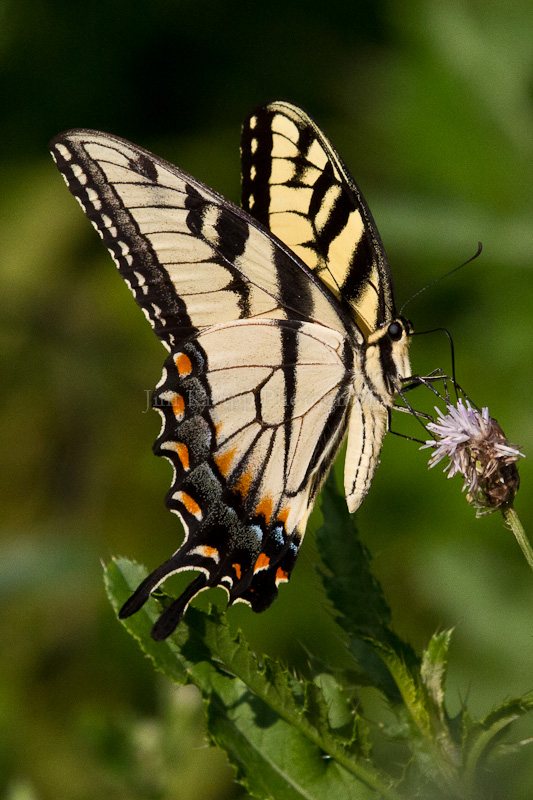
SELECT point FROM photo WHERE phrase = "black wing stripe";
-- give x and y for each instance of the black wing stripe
(289, 349)
(255, 181)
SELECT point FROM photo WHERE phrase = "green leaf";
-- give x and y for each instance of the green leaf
(343, 716)
(362, 612)
(359, 605)
(272, 759)
(338, 708)
(274, 727)
(482, 737)
(433, 669)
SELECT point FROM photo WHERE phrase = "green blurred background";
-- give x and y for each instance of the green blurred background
(430, 105)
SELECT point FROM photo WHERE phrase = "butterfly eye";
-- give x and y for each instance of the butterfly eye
(395, 331)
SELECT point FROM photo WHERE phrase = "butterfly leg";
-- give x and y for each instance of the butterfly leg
(434, 377)
(415, 381)
(415, 414)
(427, 381)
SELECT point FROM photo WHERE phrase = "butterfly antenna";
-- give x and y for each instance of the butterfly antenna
(441, 277)
(444, 330)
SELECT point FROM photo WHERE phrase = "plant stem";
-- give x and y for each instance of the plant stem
(511, 518)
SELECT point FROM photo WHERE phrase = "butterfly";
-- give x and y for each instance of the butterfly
(282, 337)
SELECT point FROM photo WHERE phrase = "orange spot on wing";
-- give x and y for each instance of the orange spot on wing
(183, 454)
(281, 575)
(183, 364)
(238, 571)
(284, 515)
(224, 461)
(209, 552)
(243, 484)
(265, 507)
(190, 504)
(178, 405)
(262, 562)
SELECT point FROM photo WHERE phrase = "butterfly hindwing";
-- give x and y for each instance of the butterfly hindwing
(247, 462)
(294, 182)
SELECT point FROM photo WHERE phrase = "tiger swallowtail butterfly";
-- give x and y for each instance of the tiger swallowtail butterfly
(283, 339)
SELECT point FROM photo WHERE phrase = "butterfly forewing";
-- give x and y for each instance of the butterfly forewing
(191, 258)
(294, 182)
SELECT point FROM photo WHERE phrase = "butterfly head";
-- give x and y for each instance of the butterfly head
(387, 358)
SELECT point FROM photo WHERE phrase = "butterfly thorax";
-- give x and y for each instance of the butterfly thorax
(383, 362)
(386, 359)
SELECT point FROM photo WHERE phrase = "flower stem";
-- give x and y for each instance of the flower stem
(511, 518)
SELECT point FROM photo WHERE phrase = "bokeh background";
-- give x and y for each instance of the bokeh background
(430, 105)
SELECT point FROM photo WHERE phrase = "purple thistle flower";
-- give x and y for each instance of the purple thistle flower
(478, 449)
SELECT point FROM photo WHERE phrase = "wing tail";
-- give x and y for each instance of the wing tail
(172, 616)
(149, 585)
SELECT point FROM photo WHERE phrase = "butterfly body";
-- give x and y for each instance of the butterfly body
(281, 332)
